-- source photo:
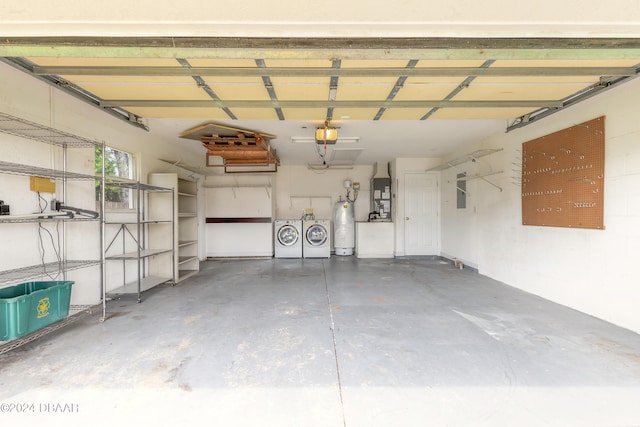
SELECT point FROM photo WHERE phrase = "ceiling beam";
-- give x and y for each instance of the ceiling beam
(323, 48)
(205, 87)
(333, 87)
(462, 86)
(334, 42)
(328, 104)
(268, 85)
(331, 72)
(396, 88)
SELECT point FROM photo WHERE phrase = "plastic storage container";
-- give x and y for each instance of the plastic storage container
(30, 306)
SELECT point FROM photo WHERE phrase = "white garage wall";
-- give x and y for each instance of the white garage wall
(239, 239)
(27, 98)
(283, 195)
(590, 270)
(298, 187)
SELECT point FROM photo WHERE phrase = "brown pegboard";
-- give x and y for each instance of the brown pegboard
(563, 177)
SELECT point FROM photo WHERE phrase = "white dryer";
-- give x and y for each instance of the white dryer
(288, 238)
(317, 238)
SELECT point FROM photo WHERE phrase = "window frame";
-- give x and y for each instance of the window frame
(133, 168)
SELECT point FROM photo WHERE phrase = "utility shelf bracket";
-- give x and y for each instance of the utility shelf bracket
(482, 177)
(471, 157)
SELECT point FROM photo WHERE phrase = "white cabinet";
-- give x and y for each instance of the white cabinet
(374, 239)
(185, 208)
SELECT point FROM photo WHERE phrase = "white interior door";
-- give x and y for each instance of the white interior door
(421, 214)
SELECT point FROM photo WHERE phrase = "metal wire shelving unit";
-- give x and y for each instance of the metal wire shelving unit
(34, 131)
(136, 231)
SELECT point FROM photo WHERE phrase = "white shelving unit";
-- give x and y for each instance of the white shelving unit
(133, 243)
(185, 208)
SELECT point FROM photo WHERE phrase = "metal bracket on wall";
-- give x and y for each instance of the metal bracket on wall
(482, 177)
(471, 157)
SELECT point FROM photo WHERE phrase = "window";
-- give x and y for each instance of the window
(461, 190)
(118, 164)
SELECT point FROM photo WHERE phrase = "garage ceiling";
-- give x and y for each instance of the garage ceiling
(309, 81)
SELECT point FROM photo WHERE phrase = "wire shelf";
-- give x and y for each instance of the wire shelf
(18, 169)
(111, 181)
(30, 130)
(6, 346)
(22, 274)
(43, 217)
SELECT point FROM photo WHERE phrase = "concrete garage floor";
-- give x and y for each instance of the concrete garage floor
(339, 342)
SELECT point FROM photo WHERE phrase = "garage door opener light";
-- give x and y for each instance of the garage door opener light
(326, 135)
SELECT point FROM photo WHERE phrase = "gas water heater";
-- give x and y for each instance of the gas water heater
(344, 228)
(344, 225)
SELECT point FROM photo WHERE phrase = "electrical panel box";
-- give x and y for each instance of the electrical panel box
(381, 198)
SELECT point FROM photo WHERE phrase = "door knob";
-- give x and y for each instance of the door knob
(407, 218)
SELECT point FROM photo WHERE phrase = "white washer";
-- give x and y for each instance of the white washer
(317, 238)
(287, 236)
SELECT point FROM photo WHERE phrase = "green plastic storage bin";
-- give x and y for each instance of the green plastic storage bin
(30, 306)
